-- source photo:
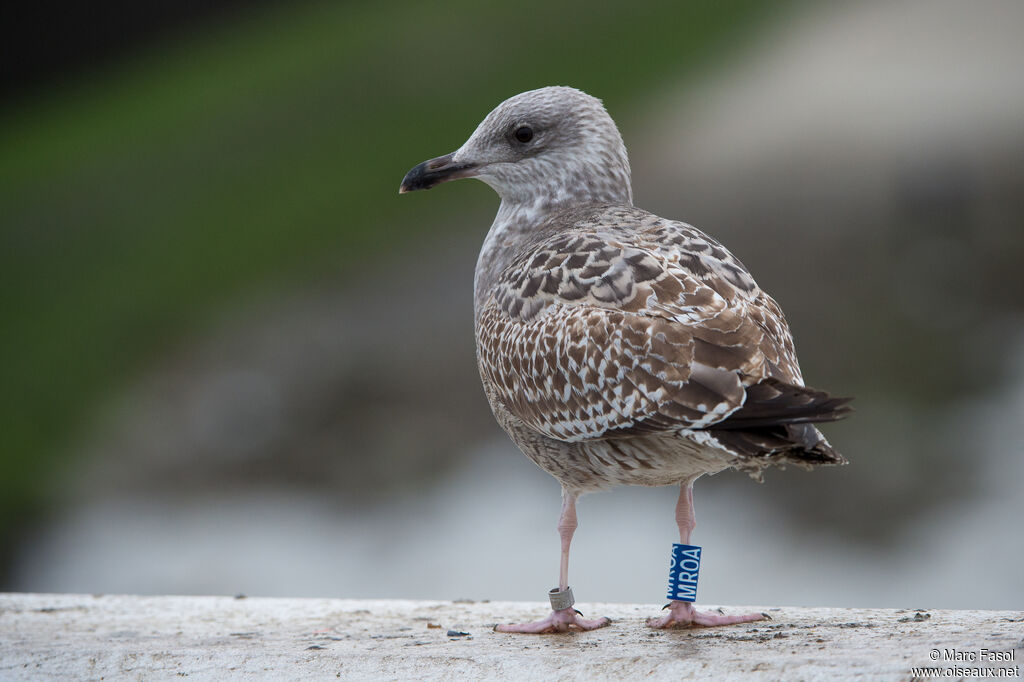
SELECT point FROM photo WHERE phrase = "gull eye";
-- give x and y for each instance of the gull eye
(524, 134)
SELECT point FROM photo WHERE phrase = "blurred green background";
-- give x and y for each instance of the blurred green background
(230, 176)
(144, 197)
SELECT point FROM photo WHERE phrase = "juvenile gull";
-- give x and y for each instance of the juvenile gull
(616, 347)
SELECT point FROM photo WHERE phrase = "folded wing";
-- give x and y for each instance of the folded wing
(632, 324)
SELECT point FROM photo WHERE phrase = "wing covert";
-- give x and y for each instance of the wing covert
(599, 331)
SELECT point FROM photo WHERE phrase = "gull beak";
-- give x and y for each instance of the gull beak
(434, 172)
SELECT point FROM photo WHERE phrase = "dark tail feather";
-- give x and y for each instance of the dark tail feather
(777, 419)
(799, 443)
(773, 403)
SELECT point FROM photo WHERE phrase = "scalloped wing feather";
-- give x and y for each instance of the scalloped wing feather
(627, 323)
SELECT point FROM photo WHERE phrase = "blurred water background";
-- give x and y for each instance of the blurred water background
(234, 360)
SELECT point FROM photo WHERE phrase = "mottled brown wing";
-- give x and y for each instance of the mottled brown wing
(598, 332)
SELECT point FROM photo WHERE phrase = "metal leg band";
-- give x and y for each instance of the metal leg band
(561, 599)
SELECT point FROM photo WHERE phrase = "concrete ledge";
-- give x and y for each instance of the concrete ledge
(220, 638)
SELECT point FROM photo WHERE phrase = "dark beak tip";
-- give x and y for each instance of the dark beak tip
(417, 178)
(431, 173)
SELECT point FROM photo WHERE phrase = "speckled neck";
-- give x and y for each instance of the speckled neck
(520, 223)
(577, 159)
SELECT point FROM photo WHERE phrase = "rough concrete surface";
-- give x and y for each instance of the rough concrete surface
(124, 637)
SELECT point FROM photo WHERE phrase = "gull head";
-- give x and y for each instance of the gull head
(555, 145)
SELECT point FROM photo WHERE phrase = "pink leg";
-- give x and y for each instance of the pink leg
(567, 525)
(564, 619)
(681, 613)
(685, 518)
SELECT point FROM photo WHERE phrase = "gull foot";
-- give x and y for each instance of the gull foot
(682, 614)
(559, 621)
